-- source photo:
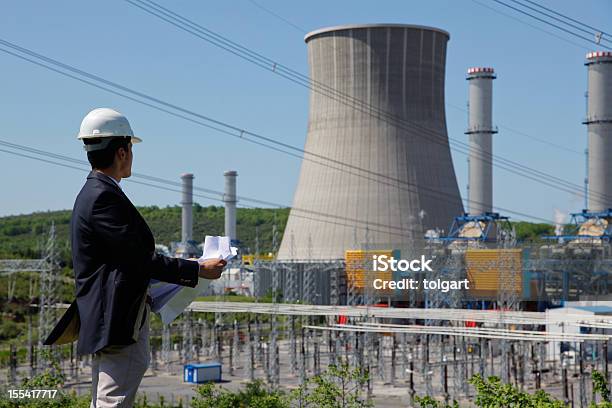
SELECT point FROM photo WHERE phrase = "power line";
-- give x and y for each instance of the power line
(213, 198)
(327, 221)
(278, 16)
(573, 33)
(86, 170)
(210, 36)
(596, 30)
(594, 34)
(515, 131)
(218, 125)
(527, 135)
(179, 191)
(581, 46)
(219, 194)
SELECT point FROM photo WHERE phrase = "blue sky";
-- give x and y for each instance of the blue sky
(539, 91)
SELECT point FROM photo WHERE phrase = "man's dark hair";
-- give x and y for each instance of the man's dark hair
(102, 159)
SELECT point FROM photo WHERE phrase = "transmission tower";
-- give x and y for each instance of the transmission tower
(273, 367)
(310, 291)
(509, 290)
(187, 334)
(48, 294)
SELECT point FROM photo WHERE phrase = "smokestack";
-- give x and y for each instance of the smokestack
(480, 129)
(187, 203)
(599, 123)
(230, 203)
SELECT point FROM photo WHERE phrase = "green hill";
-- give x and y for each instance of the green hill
(23, 236)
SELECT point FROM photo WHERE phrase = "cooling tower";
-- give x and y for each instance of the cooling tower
(379, 169)
(480, 131)
(599, 122)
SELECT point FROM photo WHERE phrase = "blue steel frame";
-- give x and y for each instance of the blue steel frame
(581, 217)
(489, 219)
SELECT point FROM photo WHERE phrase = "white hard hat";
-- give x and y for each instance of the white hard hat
(105, 124)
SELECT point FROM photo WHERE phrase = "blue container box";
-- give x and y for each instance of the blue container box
(202, 373)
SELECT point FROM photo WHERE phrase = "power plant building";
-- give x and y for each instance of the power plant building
(378, 168)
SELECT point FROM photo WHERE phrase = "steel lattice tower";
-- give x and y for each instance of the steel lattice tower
(48, 294)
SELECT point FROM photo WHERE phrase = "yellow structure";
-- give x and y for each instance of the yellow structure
(359, 271)
(487, 267)
(250, 259)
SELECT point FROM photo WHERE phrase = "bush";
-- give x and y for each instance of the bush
(429, 402)
(337, 387)
(491, 392)
(8, 330)
(255, 395)
(51, 379)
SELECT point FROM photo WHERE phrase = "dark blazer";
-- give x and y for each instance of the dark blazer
(113, 254)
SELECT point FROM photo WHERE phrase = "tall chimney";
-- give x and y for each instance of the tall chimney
(229, 198)
(187, 203)
(599, 123)
(480, 129)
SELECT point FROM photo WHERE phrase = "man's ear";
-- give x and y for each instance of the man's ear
(121, 153)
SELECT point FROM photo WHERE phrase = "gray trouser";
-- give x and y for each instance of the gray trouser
(116, 371)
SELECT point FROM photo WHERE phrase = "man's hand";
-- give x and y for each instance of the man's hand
(211, 268)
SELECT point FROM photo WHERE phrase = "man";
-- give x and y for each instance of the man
(113, 253)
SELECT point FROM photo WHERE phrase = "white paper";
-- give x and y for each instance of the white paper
(170, 300)
(218, 248)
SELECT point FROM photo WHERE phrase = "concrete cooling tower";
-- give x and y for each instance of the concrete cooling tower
(379, 169)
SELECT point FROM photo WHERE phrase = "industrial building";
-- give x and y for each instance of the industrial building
(377, 175)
